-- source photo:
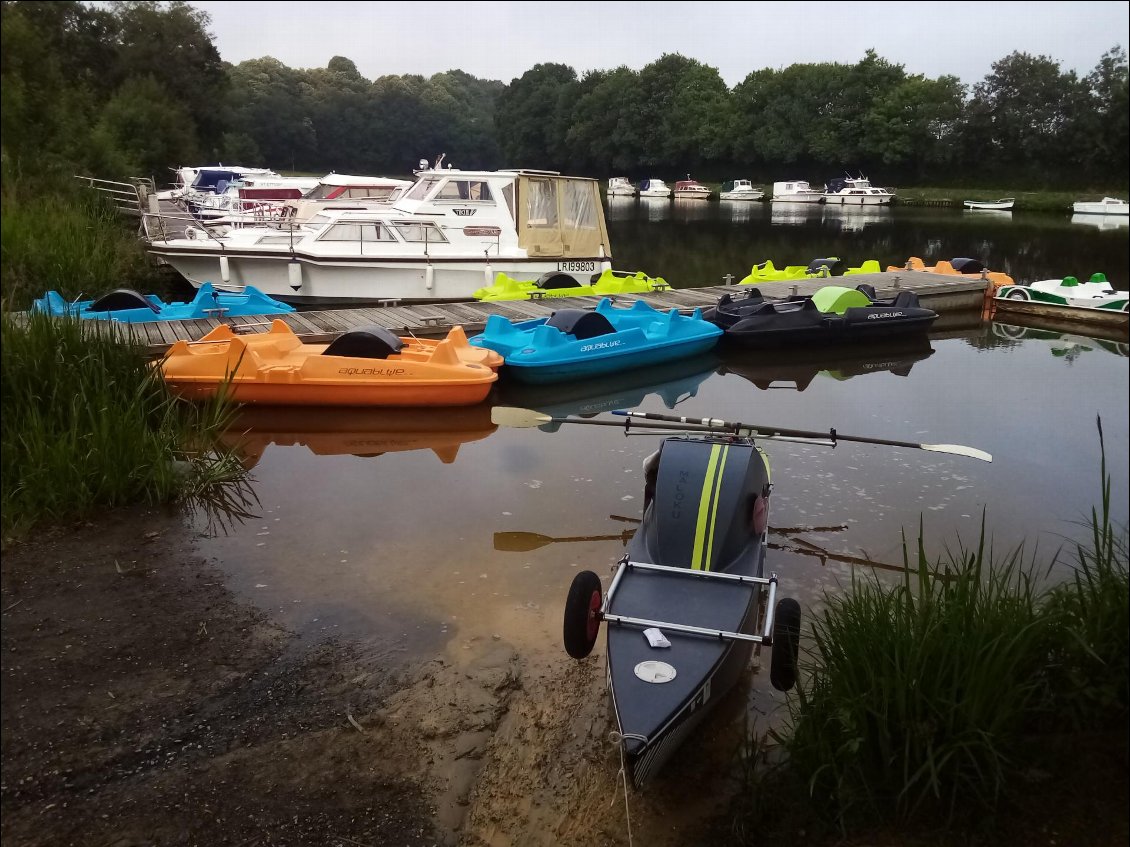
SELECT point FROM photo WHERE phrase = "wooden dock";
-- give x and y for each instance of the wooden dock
(939, 292)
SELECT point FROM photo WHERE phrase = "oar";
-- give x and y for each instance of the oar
(774, 431)
(522, 542)
(512, 416)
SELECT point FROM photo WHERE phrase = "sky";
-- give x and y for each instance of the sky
(501, 40)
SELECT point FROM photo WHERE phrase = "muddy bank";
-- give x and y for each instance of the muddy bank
(144, 704)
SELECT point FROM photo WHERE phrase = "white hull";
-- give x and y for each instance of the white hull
(660, 194)
(621, 192)
(325, 280)
(799, 198)
(741, 195)
(692, 195)
(989, 207)
(857, 199)
(1102, 208)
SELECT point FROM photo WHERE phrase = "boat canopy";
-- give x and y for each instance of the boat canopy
(560, 216)
(837, 299)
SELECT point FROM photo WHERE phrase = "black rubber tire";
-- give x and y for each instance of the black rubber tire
(1016, 295)
(581, 626)
(786, 644)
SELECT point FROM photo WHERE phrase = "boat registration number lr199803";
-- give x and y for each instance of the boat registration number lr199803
(583, 267)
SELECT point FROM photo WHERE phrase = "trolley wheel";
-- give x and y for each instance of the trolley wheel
(1017, 294)
(582, 621)
(786, 644)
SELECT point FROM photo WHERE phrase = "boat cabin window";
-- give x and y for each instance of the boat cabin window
(420, 231)
(541, 203)
(358, 231)
(317, 222)
(379, 192)
(577, 205)
(508, 196)
(276, 239)
(423, 188)
(465, 189)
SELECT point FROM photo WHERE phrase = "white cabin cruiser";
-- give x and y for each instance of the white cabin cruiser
(740, 189)
(1106, 206)
(331, 191)
(654, 188)
(247, 198)
(619, 186)
(203, 179)
(796, 191)
(441, 240)
(856, 191)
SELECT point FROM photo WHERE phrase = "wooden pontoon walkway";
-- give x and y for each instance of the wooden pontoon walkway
(432, 320)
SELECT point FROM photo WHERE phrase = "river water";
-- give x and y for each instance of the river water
(425, 530)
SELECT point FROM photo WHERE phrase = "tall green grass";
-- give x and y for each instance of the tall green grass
(924, 703)
(57, 234)
(89, 425)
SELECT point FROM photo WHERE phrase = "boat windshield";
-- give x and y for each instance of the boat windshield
(423, 187)
(317, 222)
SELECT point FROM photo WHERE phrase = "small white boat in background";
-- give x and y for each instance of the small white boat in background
(740, 189)
(855, 191)
(691, 189)
(1106, 206)
(619, 186)
(1005, 204)
(797, 191)
(654, 188)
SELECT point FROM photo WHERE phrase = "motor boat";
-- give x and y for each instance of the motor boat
(740, 189)
(654, 188)
(581, 343)
(363, 367)
(833, 315)
(855, 191)
(249, 198)
(797, 191)
(619, 186)
(203, 178)
(445, 237)
(1106, 206)
(128, 306)
(690, 189)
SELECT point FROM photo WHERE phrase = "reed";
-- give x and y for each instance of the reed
(54, 234)
(90, 425)
(924, 704)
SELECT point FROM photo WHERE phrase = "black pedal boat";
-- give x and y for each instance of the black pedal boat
(833, 315)
(694, 570)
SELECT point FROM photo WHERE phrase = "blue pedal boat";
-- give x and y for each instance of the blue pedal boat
(128, 306)
(580, 343)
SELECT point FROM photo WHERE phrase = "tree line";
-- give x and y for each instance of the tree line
(137, 87)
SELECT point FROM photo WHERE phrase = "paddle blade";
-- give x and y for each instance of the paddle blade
(959, 450)
(514, 417)
(520, 542)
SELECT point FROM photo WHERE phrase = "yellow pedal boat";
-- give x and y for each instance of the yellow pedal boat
(968, 268)
(608, 284)
(816, 269)
(363, 367)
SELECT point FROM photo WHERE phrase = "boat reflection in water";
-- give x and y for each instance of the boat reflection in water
(796, 369)
(1102, 221)
(1064, 345)
(620, 208)
(357, 432)
(796, 214)
(656, 208)
(671, 383)
(688, 209)
(740, 211)
(856, 218)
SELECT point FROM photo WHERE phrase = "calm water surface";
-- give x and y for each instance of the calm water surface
(385, 526)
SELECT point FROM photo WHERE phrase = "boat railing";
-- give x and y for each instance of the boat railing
(128, 198)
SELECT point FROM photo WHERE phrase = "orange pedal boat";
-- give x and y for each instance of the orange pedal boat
(364, 367)
(968, 268)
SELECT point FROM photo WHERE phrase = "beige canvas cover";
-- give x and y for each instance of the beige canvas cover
(561, 216)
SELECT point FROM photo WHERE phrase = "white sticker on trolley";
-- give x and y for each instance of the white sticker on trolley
(652, 671)
(656, 638)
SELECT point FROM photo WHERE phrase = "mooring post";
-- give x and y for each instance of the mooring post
(729, 279)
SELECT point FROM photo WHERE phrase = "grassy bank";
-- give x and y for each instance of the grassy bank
(56, 234)
(89, 425)
(926, 706)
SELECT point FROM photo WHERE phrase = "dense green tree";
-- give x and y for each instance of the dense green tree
(141, 129)
(528, 117)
